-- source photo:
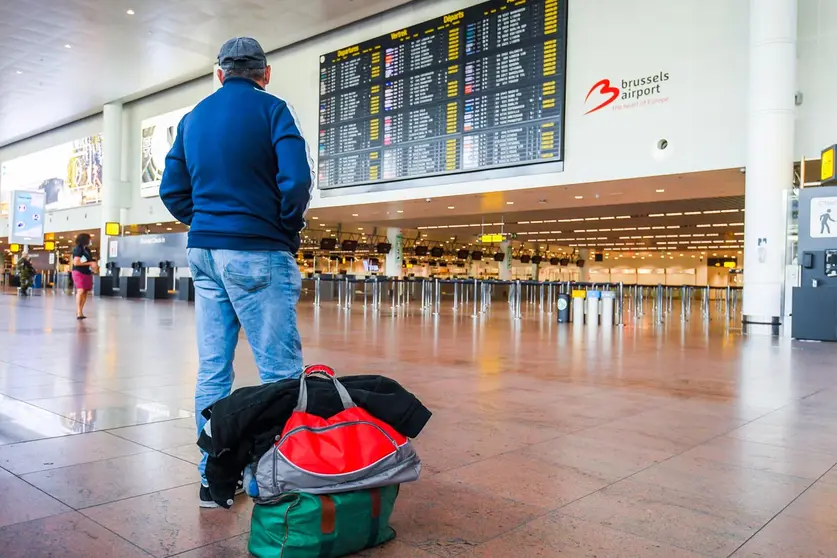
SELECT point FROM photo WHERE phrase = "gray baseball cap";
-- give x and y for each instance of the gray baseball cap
(242, 53)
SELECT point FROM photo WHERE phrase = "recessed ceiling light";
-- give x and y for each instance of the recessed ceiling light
(19, 72)
(315, 218)
(354, 214)
(130, 12)
(660, 190)
(68, 46)
(451, 207)
(360, 228)
(399, 211)
(509, 203)
(168, 228)
(579, 197)
(159, 224)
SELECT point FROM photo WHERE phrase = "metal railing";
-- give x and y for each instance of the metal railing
(476, 296)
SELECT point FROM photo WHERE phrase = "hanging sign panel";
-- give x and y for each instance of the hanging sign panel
(69, 175)
(475, 89)
(26, 224)
(158, 135)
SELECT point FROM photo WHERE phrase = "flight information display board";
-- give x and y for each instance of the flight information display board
(475, 89)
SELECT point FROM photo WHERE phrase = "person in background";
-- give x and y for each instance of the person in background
(240, 174)
(84, 266)
(26, 273)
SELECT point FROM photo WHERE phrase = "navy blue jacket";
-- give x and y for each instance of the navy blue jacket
(239, 172)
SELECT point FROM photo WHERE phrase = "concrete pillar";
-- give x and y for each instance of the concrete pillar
(506, 264)
(111, 174)
(770, 138)
(395, 258)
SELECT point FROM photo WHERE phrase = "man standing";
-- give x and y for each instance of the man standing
(240, 174)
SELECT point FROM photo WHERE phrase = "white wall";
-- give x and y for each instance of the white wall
(816, 118)
(702, 44)
(151, 210)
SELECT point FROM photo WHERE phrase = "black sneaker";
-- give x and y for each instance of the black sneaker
(206, 499)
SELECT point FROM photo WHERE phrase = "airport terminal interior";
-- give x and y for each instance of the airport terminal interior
(593, 238)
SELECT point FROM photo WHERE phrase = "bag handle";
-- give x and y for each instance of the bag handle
(321, 370)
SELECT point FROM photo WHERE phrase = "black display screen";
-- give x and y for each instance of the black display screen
(479, 88)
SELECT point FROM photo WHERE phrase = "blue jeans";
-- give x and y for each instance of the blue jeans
(256, 290)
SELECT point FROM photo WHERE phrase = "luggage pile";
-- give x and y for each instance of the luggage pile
(327, 485)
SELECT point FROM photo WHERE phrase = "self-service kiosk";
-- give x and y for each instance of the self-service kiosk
(814, 310)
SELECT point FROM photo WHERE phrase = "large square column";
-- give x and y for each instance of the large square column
(770, 138)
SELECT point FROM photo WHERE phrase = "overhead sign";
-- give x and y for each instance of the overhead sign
(26, 224)
(828, 176)
(113, 229)
(492, 238)
(69, 175)
(158, 135)
(480, 88)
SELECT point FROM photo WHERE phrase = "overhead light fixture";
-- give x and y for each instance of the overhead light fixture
(130, 12)
(159, 224)
(19, 72)
(660, 190)
(509, 203)
(360, 228)
(68, 46)
(168, 228)
(451, 207)
(399, 211)
(315, 218)
(354, 214)
(579, 197)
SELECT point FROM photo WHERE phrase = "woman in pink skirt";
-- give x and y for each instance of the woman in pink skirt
(84, 266)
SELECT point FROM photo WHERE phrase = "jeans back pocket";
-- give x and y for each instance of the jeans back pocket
(249, 271)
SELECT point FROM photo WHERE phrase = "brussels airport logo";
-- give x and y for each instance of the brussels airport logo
(631, 93)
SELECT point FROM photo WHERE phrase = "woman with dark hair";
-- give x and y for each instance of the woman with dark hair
(84, 266)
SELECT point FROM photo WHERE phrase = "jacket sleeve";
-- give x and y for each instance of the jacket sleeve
(176, 186)
(295, 172)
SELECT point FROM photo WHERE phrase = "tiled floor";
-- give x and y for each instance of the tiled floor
(547, 440)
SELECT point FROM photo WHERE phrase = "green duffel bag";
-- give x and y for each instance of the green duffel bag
(322, 525)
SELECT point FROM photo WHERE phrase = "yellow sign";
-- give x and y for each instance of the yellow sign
(14, 248)
(112, 229)
(730, 265)
(49, 236)
(49, 246)
(827, 174)
(492, 238)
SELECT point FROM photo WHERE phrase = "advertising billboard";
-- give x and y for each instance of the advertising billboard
(26, 225)
(69, 175)
(158, 135)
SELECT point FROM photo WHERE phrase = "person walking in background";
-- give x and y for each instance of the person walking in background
(240, 174)
(26, 273)
(84, 266)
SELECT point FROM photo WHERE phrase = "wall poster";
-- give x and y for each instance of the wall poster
(69, 175)
(158, 135)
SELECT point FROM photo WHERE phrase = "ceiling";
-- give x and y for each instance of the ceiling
(698, 211)
(61, 60)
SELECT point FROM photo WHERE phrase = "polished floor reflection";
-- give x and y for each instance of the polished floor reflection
(672, 440)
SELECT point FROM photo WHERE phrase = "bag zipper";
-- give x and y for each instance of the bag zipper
(284, 438)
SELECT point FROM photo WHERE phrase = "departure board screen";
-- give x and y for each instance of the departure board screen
(476, 89)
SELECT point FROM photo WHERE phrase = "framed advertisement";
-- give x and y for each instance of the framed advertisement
(158, 135)
(26, 224)
(69, 175)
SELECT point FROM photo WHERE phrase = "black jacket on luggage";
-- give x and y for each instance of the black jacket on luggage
(245, 424)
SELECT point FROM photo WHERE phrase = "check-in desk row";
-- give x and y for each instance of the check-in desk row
(139, 285)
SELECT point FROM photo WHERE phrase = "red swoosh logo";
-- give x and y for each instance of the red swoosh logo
(604, 88)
